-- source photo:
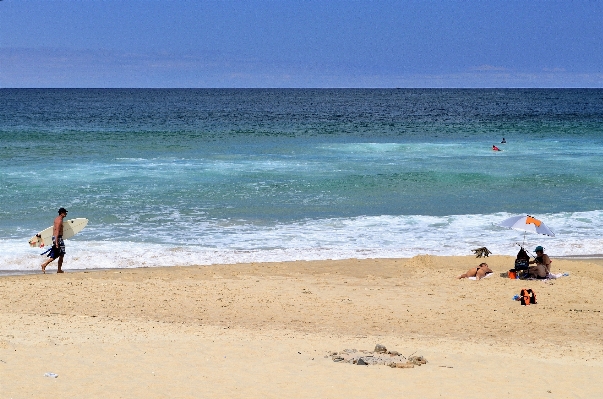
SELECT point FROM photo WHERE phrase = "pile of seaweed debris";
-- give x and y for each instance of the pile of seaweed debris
(380, 355)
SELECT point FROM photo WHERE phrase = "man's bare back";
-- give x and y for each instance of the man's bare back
(57, 231)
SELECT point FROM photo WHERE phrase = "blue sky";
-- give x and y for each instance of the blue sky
(262, 43)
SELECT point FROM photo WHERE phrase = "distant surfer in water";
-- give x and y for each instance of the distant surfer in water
(495, 148)
(58, 245)
(503, 141)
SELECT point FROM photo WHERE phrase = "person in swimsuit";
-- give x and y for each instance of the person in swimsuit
(478, 272)
(542, 262)
(495, 148)
(58, 245)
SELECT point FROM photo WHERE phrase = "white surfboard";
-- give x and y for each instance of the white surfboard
(70, 228)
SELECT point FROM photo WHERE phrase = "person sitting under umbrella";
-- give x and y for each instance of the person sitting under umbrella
(478, 272)
(543, 264)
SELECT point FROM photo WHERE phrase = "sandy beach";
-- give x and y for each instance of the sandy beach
(267, 330)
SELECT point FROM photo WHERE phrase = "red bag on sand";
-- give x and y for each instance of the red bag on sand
(527, 296)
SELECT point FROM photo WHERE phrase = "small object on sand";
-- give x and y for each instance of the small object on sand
(51, 375)
(380, 348)
(481, 252)
(402, 365)
(418, 360)
(361, 362)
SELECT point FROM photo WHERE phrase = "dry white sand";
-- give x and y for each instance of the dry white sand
(263, 330)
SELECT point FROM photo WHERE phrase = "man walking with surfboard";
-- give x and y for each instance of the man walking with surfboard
(58, 245)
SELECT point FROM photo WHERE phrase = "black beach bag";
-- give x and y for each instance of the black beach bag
(521, 264)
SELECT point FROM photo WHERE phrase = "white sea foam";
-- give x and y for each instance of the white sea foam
(361, 237)
(256, 177)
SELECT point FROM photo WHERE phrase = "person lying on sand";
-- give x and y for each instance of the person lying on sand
(477, 272)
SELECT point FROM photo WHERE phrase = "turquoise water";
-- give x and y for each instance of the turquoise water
(188, 176)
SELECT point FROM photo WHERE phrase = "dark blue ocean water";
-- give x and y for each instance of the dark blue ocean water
(211, 176)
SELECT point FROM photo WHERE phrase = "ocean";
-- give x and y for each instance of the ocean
(208, 176)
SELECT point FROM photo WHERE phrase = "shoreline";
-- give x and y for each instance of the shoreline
(595, 258)
(264, 329)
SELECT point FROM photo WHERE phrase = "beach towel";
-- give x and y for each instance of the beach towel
(486, 276)
(550, 276)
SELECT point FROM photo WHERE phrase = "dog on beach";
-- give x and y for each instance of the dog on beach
(482, 252)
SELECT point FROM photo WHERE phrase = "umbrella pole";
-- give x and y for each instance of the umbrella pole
(524, 238)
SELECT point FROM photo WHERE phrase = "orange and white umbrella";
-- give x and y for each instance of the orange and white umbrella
(527, 224)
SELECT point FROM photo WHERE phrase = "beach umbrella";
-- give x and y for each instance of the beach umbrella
(527, 224)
